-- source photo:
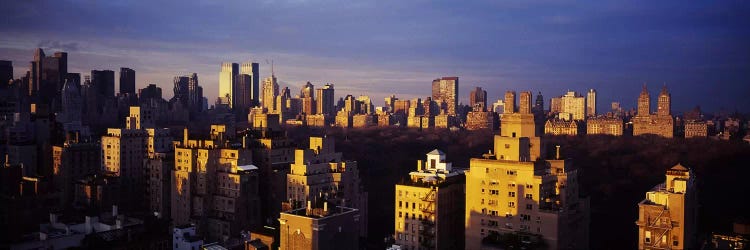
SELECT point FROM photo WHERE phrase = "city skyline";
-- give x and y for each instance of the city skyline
(539, 46)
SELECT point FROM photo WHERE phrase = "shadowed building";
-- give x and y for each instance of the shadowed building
(445, 93)
(127, 81)
(667, 218)
(319, 227)
(429, 211)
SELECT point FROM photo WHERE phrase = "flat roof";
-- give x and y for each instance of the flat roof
(247, 167)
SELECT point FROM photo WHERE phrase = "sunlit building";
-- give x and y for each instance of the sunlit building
(512, 193)
(667, 218)
(319, 173)
(445, 93)
(320, 227)
(604, 126)
(696, 129)
(429, 211)
(661, 123)
(226, 82)
(561, 127)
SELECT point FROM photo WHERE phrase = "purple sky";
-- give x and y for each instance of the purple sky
(701, 50)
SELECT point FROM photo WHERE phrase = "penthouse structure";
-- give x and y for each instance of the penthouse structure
(429, 212)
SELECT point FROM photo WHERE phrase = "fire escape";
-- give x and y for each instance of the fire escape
(661, 225)
(427, 231)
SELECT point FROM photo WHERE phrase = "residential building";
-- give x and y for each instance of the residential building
(696, 129)
(318, 228)
(591, 103)
(604, 126)
(561, 127)
(478, 99)
(667, 217)
(445, 93)
(661, 123)
(429, 211)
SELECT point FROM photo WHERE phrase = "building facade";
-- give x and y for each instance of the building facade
(661, 123)
(604, 126)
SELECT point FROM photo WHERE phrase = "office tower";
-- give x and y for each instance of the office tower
(538, 105)
(509, 105)
(72, 161)
(72, 103)
(365, 103)
(307, 94)
(127, 81)
(320, 226)
(195, 93)
(253, 70)
(150, 92)
(445, 93)
(667, 217)
(390, 104)
(326, 100)
(524, 106)
(573, 106)
(214, 185)
(429, 207)
(661, 123)
(46, 75)
(478, 99)
(242, 100)
(226, 82)
(181, 89)
(104, 81)
(512, 191)
(6, 73)
(320, 174)
(270, 91)
(591, 103)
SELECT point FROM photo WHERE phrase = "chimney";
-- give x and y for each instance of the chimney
(557, 152)
(184, 137)
(325, 207)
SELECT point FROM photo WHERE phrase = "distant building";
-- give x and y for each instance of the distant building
(270, 92)
(696, 129)
(661, 123)
(429, 211)
(561, 127)
(478, 99)
(604, 126)
(316, 227)
(364, 121)
(226, 82)
(591, 103)
(74, 160)
(445, 93)
(6, 72)
(667, 218)
(104, 81)
(127, 81)
(481, 120)
(326, 100)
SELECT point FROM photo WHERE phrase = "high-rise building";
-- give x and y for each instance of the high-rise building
(661, 123)
(667, 217)
(320, 174)
(72, 103)
(6, 72)
(270, 91)
(242, 100)
(538, 105)
(307, 94)
(509, 104)
(591, 103)
(429, 211)
(512, 191)
(182, 89)
(195, 93)
(478, 99)
(226, 82)
(104, 81)
(573, 106)
(326, 101)
(123, 151)
(445, 93)
(524, 106)
(320, 227)
(215, 186)
(555, 105)
(47, 75)
(127, 81)
(72, 161)
(253, 70)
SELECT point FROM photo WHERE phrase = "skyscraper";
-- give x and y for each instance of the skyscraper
(127, 81)
(664, 103)
(181, 89)
(307, 93)
(644, 102)
(509, 105)
(573, 106)
(226, 82)
(326, 102)
(661, 123)
(524, 106)
(445, 93)
(270, 91)
(195, 93)
(6, 72)
(478, 99)
(591, 103)
(104, 81)
(667, 217)
(252, 69)
(539, 105)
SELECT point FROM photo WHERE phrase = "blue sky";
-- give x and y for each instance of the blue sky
(377, 48)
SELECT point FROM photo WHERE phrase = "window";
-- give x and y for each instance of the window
(399, 214)
(511, 194)
(648, 237)
(507, 145)
(399, 204)
(529, 196)
(511, 204)
(494, 192)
